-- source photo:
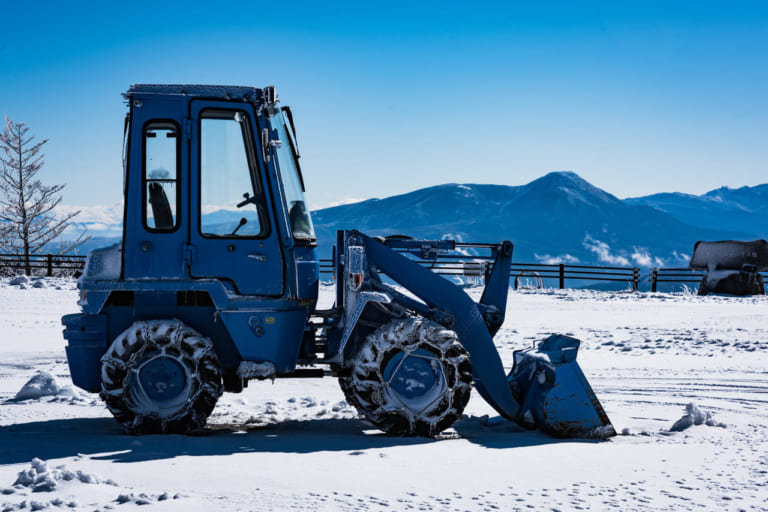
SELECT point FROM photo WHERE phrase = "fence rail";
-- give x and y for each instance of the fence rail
(523, 273)
(680, 275)
(43, 262)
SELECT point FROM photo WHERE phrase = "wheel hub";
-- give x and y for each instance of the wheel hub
(160, 383)
(415, 379)
(162, 378)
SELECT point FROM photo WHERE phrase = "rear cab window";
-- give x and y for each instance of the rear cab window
(161, 174)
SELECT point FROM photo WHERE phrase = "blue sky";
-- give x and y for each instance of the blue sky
(635, 97)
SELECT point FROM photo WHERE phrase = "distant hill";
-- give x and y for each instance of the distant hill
(559, 217)
(742, 209)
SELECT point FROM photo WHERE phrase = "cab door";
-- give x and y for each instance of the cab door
(156, 221)
(234, 235)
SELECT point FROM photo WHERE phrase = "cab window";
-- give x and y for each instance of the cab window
(231, 194)
(161, 158)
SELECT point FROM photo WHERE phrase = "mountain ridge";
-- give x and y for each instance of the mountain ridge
(557, 217)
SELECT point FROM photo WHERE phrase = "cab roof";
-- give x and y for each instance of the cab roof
(224, 92)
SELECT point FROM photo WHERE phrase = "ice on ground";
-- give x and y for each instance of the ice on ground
(695, 416)
(44, 384)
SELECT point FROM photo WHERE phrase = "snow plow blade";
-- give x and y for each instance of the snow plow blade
(554, 393)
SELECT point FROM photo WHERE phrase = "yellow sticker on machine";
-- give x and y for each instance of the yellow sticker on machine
(269, 320)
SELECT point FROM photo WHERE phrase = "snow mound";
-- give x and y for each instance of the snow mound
(695, 416)
(43, 384)
(40, 478)
(21, 280)
(143, 498)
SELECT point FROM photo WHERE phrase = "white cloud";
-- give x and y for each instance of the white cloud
(603, 252)
(103, 214)
(555, 260)
(643, 258)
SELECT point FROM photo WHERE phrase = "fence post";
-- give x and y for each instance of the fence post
(562, 276)
(635, 278)
(50, 265)
(654, 277)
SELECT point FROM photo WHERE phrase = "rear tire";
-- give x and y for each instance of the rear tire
(160, 377)
(411, 377)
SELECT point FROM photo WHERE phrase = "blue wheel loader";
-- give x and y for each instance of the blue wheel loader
(216, 279)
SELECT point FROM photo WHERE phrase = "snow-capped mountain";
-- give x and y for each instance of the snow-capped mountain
(740, 209)
(559, 217)
(99, 221)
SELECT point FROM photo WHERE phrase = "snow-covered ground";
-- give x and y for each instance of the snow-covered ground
(296, 445)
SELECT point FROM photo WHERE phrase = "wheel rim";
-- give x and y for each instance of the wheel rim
(414, 379)
(160, 382)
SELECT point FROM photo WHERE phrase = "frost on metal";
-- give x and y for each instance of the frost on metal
(732, 266)
(729, 255)
(732, 282)
(253, 370)
(104, 263)
(139, 346)
(373, 384)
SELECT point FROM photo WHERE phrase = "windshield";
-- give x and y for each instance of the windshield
(298, 215)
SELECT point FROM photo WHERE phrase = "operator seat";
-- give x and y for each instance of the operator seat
(161, 209)
(299, 219)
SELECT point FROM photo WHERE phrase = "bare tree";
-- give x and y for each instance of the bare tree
(28, 221)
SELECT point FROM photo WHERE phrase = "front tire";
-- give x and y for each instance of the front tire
(410, 377)
(160, 377)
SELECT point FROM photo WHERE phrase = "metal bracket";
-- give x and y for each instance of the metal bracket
(363, 298)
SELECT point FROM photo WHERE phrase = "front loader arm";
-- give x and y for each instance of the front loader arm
(546, 387)
(465, 316)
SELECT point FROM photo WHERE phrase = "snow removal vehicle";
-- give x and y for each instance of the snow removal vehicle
(216, 283)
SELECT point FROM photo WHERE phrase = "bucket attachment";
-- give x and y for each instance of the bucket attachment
(554, 393)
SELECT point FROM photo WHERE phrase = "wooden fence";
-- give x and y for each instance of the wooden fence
(43, 263)
(522, 274)
(680, 275)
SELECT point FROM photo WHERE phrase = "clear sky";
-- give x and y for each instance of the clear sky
(636, 97)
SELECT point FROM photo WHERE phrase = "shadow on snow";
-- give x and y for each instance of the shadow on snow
(104, 439)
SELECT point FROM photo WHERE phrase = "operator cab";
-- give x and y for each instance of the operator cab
(213, 176)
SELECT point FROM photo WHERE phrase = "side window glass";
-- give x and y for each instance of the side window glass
(160, 176)
(231, 196)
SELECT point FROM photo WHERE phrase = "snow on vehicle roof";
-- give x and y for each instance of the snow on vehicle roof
(229, 92)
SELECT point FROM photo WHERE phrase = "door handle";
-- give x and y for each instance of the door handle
(257, 256)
